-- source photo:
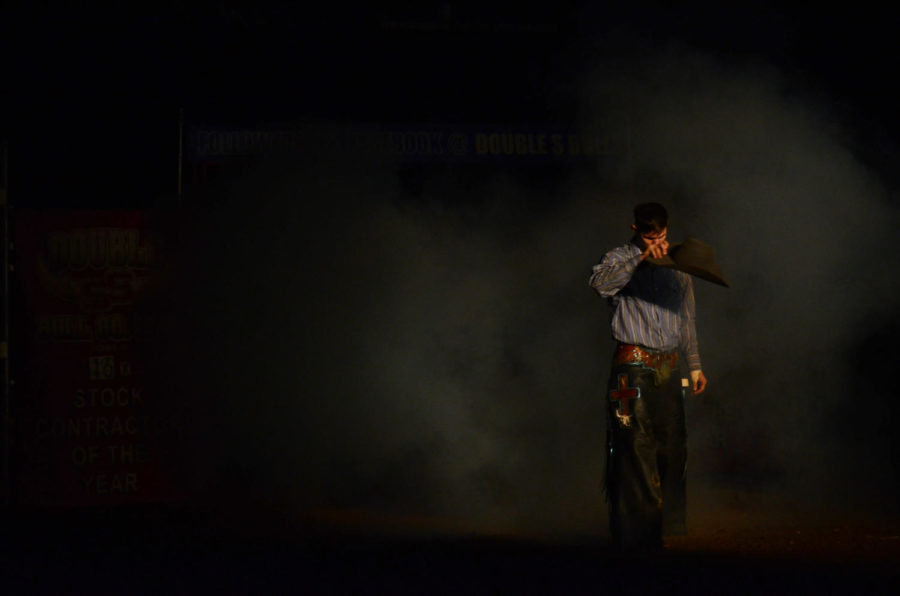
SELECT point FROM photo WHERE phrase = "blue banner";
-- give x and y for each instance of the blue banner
(416, 143)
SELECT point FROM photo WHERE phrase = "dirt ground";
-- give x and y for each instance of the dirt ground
(733, 550)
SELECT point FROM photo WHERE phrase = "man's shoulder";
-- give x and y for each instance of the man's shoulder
(683, 279)
(624, 251)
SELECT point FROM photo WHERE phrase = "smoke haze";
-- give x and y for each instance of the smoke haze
(798, 221)
(437, 351)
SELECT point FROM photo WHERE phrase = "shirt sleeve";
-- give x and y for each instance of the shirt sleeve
(689, 326)
(614, 272)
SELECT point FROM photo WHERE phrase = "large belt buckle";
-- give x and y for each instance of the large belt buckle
(637, 354)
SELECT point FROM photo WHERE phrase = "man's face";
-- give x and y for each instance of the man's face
(648, 239)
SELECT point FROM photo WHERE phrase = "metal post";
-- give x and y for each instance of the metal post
(629, 163)
(5, 426)
(180, 153)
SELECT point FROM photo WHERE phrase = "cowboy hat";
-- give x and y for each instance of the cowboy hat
(693, 257)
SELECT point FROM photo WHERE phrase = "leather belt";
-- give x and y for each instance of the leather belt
(631, 354)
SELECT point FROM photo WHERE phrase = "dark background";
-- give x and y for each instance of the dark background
(370, 345)
(92, 96)
(419, 340)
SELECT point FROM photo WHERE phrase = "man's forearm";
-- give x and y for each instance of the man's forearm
(689, 327)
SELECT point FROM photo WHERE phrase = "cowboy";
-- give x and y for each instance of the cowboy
(650, 293)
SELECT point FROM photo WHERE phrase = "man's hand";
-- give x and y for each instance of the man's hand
(698, 381)
(655, 248)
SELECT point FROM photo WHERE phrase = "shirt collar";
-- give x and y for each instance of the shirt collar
(633, 243)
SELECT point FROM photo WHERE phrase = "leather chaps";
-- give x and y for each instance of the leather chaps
(646, 449)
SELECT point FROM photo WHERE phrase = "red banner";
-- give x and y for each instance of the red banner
(89, 313)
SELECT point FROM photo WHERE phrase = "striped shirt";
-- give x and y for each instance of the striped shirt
(651, 306)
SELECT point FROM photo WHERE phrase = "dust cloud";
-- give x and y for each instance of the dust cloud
(437, 351)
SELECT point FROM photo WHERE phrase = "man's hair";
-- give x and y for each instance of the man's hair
(650, 217)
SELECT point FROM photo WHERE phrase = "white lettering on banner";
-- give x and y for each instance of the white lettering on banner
(64, 328)
(527, 144)
(85, 455)
(102, 484)
(105, 426)
(112, 327)
(102, 327)
(98, 248)
(132, 453)
(246, 142)
(107, 397)
(124, 369)
(586, 145)
(417, 143)
(135, 453)
(101, 368)
(511, 144)
(556, 143)
(407, 143)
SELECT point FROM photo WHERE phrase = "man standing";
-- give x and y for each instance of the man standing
(652, 321)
